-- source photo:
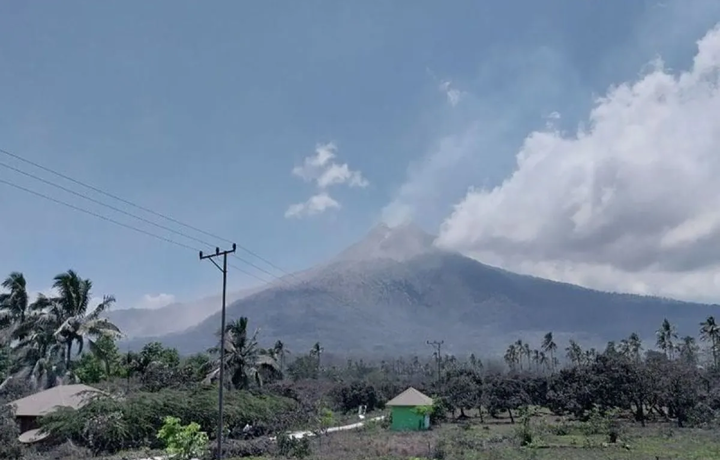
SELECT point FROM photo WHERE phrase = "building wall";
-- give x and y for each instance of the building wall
(405, 419)
(27, 423)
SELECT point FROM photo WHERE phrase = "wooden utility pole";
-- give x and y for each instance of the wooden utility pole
(221, 386)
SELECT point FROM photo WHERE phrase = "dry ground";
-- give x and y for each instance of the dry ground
(496, 439)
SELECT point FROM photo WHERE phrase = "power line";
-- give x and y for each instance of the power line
(137, 206)
(116, 222)
(158, 214)
(134, 216)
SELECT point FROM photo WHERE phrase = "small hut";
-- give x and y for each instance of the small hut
(30, 409)
(410, 411)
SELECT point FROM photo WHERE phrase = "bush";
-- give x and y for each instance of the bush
(293, 447)
(233, 448)
(9, 432)
(183, 442)
(348, 398)
(15, 389)
(524, 431)
(109, 424)
(702, 416)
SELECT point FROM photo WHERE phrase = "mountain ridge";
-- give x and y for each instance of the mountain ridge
(393, 290)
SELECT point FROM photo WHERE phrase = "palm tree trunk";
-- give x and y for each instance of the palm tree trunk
(68, 358)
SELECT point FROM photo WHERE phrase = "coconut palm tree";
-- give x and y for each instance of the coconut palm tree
(666, 336)
(631, 347)
(16, 308)
(244, 360)
(512, 356)
(710, 332)
(574, 353)
(78, 324)
(14, 304)
(317, 350)
(549, 346)
(280, 352)
(536, 359)
(689, 350)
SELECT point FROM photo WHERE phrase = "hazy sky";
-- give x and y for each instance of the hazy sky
(293, 127)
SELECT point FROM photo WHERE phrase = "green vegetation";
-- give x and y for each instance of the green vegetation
(183, 442)
(540, 402)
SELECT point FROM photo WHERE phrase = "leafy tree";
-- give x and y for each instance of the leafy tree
(462, 389)
(305, 367)
(505, 393)
(103, 362)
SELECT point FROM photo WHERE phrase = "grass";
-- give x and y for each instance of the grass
(553, 438)
(497, 440)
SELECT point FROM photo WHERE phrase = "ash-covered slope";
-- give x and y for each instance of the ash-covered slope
(177, 316)
(394, 290)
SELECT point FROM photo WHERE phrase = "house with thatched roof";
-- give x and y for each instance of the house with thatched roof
(29, 409)
(410, 411)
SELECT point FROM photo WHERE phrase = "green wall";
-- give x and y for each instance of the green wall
(405, 419)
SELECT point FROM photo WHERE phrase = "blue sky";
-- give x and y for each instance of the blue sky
(201, 112)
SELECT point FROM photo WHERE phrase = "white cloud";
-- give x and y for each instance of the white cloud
(152, 301)
(453, 94)
(324, 172)
(316, 204)
(341, 174)
(630, 202)
(313, 166)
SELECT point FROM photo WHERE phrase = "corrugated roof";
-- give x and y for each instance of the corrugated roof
(44, 402)
(410, 397)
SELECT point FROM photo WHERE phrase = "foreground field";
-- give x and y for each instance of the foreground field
(548, 437)
(500, 442)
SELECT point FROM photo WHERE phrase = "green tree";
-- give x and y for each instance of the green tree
(103, 362)
(80, 324)
(244, 360)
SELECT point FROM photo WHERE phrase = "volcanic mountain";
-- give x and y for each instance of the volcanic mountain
(393, 290)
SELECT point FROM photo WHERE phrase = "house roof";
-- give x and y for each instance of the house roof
(44, 402)
(410, 397)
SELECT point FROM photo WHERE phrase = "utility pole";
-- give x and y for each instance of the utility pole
(438, 356)
(223, 269)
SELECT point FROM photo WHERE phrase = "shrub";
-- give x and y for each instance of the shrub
(183, 442)
(9, 432)
(110, 424)
(293, 447)
(15, 389)
(233, 448)
(524, 431)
